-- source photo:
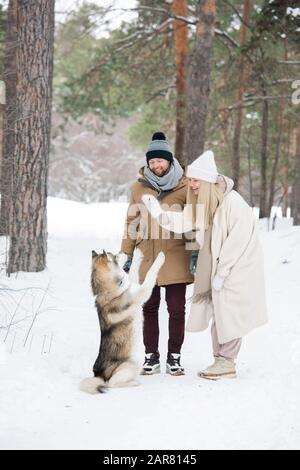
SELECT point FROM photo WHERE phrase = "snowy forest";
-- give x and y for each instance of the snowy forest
(84, 85)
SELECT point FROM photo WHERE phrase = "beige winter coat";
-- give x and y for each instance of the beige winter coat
(143, 232)
(234, 252)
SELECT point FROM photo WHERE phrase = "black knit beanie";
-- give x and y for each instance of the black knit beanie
(159, 148)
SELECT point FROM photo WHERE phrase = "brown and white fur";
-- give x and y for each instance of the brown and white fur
(119, 297)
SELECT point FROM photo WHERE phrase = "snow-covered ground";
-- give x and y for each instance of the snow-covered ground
(53, 340)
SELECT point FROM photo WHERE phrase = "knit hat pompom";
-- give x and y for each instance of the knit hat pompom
(159, 136)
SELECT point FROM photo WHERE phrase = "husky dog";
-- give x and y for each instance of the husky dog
(118, 298)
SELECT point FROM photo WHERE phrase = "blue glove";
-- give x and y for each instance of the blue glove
(193, 261)
(127, 264)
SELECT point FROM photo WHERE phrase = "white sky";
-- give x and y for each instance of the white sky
(66, 6)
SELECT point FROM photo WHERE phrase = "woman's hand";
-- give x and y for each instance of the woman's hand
(152, 205)
(218, 282)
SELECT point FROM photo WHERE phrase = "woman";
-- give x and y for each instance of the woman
(229, 282)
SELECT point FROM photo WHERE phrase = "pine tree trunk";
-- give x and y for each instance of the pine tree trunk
(285, 170)
(296, 185)
(263, 210)
(179, 8)
(251, 199)
(9, 117)
(198, 80)
(277, 152)
(2, 107)
(28, 224)
(279, 138)
(235, 162)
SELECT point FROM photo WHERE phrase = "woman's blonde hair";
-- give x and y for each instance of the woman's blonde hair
(205, 203)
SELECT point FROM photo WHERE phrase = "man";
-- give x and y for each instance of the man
(164, 178)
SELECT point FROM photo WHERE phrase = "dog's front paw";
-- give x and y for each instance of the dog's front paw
(121, 259)
(138, 255)
(160, 258)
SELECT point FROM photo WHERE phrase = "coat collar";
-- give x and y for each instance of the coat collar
(161, 194)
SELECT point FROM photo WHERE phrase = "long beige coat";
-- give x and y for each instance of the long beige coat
(143, 232)
(235, 253)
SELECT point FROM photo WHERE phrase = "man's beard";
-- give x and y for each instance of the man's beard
(163, 173)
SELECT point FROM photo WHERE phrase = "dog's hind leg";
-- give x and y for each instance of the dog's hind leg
(124, 375)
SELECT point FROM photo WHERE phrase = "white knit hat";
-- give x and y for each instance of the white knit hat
(203, 168)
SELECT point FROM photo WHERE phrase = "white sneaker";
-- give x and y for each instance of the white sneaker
(151, 365)
(173, 366)
(222, 368)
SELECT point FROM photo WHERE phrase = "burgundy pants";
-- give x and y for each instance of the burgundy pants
(175, 298)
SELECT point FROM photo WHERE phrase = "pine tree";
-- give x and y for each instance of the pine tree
(30, 151)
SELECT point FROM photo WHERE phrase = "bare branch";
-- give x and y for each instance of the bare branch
(237, 13)
(251, 101)
(159, 10)
(219, 32)
(36, 315)
(291, 62)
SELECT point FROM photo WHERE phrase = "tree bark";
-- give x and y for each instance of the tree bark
(198, 81)
(9, 117)
(2, 107)
(279, 138)
(277, 155)
(285, 170)
(235, 162)
(179, 8)
(263, 210)
(27, 217)
(251, 198)
(296, 184)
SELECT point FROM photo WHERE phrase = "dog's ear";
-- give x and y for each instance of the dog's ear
(94, 254)
(104, 253)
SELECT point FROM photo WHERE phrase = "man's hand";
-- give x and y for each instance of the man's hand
(218, 282)
(193, 261)
(152, 205)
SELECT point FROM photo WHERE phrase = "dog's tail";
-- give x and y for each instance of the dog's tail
(93, 385)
